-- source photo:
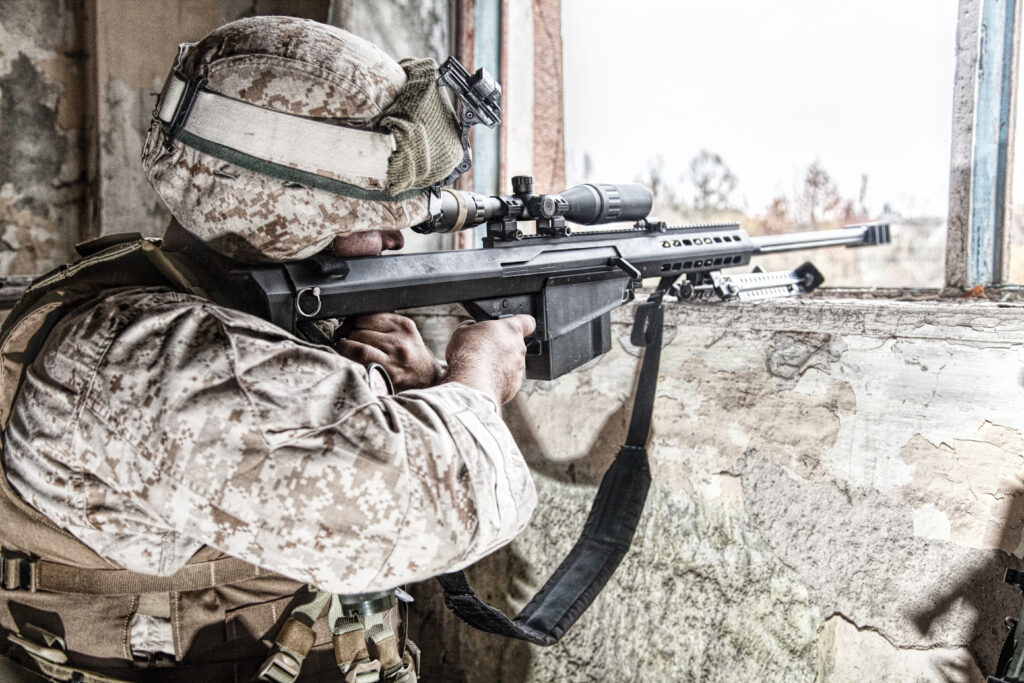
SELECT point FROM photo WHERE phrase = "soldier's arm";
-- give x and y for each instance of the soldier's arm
(213, 427)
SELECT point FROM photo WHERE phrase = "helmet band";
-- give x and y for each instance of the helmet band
(291, 148)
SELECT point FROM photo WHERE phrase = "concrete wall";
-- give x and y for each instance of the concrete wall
(837, 491)
(78, 81)
(42, 148)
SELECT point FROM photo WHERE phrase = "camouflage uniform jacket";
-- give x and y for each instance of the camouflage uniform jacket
(154, 422)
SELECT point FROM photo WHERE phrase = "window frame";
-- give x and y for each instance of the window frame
(981, 160)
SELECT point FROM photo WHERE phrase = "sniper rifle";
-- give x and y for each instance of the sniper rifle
(569, 282)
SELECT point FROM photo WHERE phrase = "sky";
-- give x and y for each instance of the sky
(863, 87)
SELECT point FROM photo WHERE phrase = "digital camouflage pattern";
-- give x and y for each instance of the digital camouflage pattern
(299, 67)
(154, 422)
(157, 427)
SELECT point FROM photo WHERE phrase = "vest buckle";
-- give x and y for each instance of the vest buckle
(280, 667)
(15, 570)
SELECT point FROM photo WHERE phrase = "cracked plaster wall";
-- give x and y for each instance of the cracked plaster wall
(135, 46)
(42, 161)
(78, 81)
(837, 492)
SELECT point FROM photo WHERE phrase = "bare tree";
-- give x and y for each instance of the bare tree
(778, 217)
(667, 204)
(713, 183)
(819, 196)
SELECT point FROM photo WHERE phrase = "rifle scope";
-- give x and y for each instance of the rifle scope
(589, 204)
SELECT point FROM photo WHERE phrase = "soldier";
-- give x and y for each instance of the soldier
(187, 484)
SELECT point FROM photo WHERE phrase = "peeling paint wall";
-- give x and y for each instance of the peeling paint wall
(135, 45)
(830, 505)
(78, 81)
(42, 161)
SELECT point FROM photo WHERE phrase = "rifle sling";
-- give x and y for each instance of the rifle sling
(609, 528)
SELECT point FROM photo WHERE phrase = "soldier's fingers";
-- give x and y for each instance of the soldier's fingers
(384, 322)
(526, 324)
(360, 353)
(345, 328)
(384, 341)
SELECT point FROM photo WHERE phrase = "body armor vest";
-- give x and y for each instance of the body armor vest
(69, 610)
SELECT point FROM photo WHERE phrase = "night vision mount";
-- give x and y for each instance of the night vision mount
(479, 96)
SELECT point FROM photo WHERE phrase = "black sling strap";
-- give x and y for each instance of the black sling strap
(608, 530)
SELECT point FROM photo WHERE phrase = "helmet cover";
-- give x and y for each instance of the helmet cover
(298, 67)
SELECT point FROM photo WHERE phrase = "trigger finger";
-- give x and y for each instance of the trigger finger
(380, 322)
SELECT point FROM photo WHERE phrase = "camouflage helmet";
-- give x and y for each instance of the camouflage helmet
(303, 73)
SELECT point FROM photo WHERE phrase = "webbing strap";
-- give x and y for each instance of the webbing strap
(608, 530)
(52, 671)
(14, 671)
(43, 575)
(293, 641)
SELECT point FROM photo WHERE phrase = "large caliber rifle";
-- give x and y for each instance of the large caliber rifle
(569, 281)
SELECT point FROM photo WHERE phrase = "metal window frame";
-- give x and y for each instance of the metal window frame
(985, 90)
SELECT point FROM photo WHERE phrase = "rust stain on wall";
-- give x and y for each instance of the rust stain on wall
(71, 106)
(28, 241)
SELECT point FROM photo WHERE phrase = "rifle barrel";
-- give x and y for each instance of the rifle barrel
(853, 236)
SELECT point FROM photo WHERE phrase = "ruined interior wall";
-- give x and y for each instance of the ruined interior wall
(403, 28)
(837, 491)
(42, 159)
(837, 483)
(134, 45)
(78, 82)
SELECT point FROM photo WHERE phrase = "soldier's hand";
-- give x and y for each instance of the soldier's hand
(490, 355)
(393, 341)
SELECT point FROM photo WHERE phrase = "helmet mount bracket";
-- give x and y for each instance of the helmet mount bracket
(479, 96)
